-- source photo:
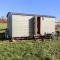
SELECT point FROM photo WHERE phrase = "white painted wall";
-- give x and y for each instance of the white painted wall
(20, 25)
(47, 25)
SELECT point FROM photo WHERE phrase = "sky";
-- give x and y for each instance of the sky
(39, 7)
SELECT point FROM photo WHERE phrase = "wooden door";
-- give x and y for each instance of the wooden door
(38, 25)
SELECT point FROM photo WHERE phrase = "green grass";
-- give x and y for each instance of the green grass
(30, 50)
(3, 26)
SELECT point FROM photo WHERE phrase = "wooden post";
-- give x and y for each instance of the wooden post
(57, 37)
(42, 37)
(57, 32)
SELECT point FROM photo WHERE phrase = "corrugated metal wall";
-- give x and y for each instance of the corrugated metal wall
(47, 25)
(9, 25)
(22, 26)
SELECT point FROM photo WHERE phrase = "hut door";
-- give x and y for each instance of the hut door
(38, 25)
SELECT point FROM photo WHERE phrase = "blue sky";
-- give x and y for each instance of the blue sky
(42, 7)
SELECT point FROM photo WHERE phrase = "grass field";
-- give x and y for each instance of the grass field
(30, 50)
(3, 26)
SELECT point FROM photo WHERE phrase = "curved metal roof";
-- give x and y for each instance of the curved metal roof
(29, 14)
